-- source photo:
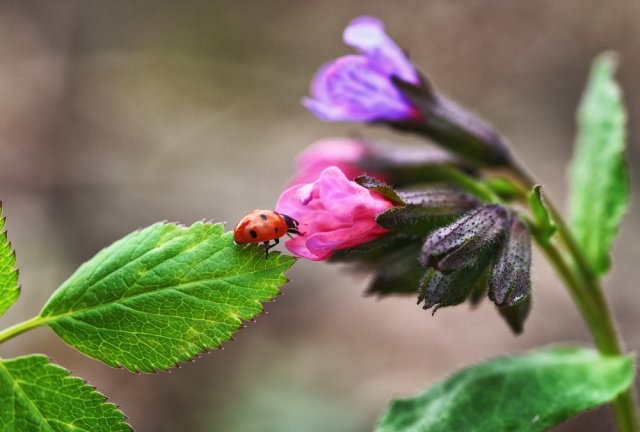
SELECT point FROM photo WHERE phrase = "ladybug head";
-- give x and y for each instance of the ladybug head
(292, 224)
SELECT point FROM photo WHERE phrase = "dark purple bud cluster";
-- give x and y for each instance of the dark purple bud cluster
(450, 247)
(394, 257)
(488, 240)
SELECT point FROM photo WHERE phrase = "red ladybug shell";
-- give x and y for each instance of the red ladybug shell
(259, 226)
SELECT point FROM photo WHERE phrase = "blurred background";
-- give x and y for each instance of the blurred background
(116, 114)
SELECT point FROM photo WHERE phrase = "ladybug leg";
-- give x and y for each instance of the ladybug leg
(267, 246)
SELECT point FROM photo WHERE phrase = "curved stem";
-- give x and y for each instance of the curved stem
(586, 291)
(20, 328)
(528, 182)
(471, 185)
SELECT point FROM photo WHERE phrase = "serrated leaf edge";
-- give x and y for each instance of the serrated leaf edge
(68, 375)
(5, 233)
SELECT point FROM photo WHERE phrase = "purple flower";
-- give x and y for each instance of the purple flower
(360, 87)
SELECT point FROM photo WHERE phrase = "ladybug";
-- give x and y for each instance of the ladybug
(262, 226)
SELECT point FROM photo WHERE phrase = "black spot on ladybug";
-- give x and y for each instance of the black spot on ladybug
(253, 234)
(263, 216)
(276, 229)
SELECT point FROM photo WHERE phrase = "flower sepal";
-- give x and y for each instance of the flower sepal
(510, 280)
(453, 127)
(391, 258)
(426, 210)
(516, 315)
(461, 244)
(437, 290)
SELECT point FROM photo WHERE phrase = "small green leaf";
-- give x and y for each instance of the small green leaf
(544, 227)
(599, 180)
(531, 392)
(37, 395)
(164, 294)
(9, 288)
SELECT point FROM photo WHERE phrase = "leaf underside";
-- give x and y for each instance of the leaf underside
(9, 288)
(163, 295)
(531, 392)
(39, 396)
(599, 179)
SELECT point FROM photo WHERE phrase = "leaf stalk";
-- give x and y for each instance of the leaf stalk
(20, 328)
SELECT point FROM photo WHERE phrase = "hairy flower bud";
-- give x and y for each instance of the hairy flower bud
(516, 315)
(459, 245)
(452, 126)
(426, 209)
(510, 280)
(440, 290)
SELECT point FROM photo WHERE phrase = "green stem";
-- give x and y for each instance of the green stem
(20, 328)
(587, 293)
(471, 185)
(528, 182)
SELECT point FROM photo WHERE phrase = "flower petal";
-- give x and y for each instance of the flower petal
(366, 34)
(350, 89)
(333, 213)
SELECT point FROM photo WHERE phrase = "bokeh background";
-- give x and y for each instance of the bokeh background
(116, 114)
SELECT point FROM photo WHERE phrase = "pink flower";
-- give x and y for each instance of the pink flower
(333, 212)
(343, 153)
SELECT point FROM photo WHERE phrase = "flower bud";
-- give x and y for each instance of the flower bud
(510, 280)
(453, 127)
(463, 242)
(440, 290)
(516, 315)
(425, 210)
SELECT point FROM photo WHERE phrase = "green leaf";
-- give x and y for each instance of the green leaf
(531, 392)
(37, 395)
(599, 180)
(164, 294)
(9, 288)
(544, 227)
